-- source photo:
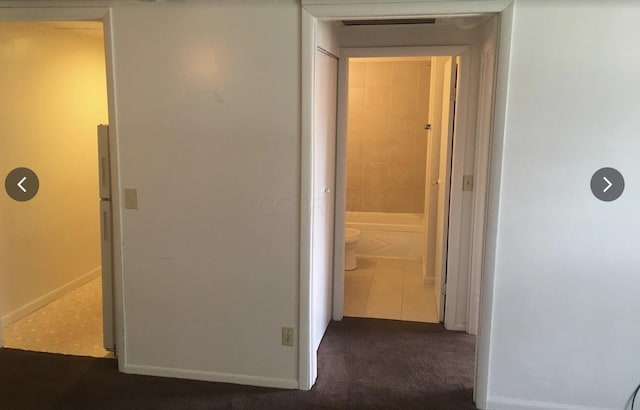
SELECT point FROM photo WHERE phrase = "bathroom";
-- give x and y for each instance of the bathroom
(392, 187)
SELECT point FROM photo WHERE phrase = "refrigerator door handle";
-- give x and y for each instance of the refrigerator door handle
(104, 161)
(106, 227)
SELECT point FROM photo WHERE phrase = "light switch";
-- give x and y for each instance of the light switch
(467, 183)
(130, 199)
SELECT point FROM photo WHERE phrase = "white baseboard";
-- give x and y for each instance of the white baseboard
(504, 403)
(211, 376)
(395, 258)
(457, 327)
(44, 300)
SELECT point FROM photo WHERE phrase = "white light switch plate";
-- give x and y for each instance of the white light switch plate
(467, 183)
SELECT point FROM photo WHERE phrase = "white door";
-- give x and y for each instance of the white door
(441, 113)
(324, 147)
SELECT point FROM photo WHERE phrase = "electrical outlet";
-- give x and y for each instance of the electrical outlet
(287, 336)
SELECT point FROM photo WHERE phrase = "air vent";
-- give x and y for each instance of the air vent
(387, 22)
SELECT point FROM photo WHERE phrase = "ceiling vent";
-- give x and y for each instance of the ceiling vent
(387, 22)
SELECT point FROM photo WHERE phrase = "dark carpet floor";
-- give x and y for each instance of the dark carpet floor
(363, 363)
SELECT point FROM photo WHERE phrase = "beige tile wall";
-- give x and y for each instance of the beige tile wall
(386, 139)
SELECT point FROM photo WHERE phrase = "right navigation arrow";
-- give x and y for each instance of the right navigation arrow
(607, 184)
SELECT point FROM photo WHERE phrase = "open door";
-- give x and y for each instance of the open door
(106, 240)
(441, 113)
(324, 148)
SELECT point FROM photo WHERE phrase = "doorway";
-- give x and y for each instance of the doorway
(399, 138)
(469, 153)
(451, 75)
(51, 290)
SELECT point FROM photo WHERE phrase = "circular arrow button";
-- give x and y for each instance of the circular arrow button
(22, 184)
(607, 184)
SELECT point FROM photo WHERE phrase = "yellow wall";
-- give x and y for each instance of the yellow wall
(386, 139)
(52, 96)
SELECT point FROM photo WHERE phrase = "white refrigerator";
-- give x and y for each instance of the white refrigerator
(106, 237)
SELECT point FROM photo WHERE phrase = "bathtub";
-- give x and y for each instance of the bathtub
(391, 235)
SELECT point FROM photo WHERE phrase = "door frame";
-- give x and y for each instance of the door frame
(486, 200)
(457, 164)
(21, 13)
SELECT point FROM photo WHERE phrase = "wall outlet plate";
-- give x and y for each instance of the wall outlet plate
(287, 336)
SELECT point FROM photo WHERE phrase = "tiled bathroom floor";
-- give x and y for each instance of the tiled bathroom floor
(388, 289)
(69, 325)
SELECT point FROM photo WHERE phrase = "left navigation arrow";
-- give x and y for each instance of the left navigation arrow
(22, 184)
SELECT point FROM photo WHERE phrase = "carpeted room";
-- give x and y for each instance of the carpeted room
(364, 363)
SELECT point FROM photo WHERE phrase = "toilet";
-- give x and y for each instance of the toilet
(351, 238)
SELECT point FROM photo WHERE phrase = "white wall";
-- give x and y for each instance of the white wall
(52, 96)
(566, 286)
(208, 99)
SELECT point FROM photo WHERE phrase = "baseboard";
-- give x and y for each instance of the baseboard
(458, 327)
(44, 300)
(397, 258)
(211, 376)
(504, 403)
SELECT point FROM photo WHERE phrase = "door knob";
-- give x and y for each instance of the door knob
(435, 182)
(327, 190)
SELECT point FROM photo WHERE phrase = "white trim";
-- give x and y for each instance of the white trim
(486, 98)
(483, 341)
(505, 403)
(457, 166)
(323, 9)
(350, 52)
(119, 314)
(336, 9)
(91, 10)
(307, 356)
(47, 298)
(458, 327)
(462, 134)
(211, 376)
(340, 188)
(45, 11)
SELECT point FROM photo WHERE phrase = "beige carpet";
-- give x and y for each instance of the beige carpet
(69, 325)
